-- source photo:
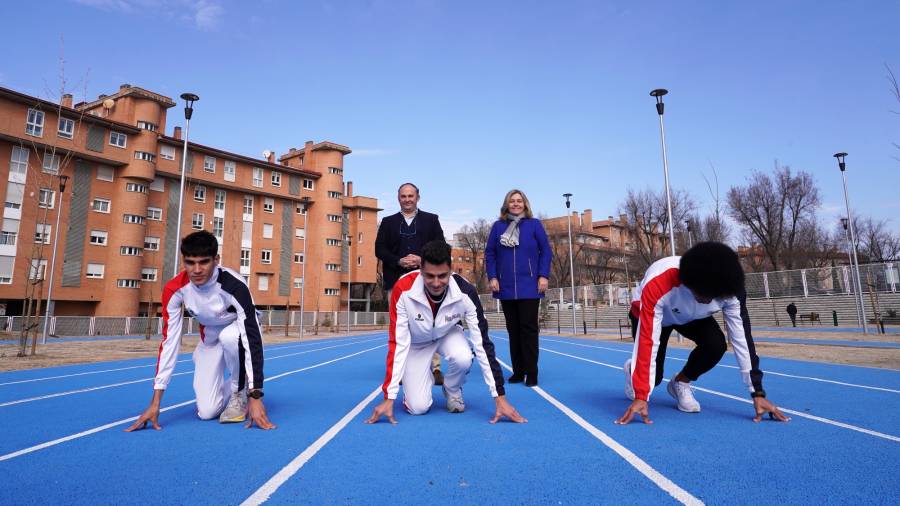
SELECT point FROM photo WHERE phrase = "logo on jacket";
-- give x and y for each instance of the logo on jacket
(676, 310)
(451, 317)
(190, 312)
(419, 318)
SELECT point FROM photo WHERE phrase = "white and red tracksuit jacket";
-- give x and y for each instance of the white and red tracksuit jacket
(661, 301)
(412, 322)
(221, 301)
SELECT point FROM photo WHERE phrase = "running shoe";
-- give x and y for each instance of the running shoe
(684, 394)
(236, 410)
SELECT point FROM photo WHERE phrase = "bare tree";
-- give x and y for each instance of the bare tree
(600, 266)
(895, 90)
(777, 215)
(473, 238)
(713, 227)
(648, 220)
(877, 242)
(559, 245)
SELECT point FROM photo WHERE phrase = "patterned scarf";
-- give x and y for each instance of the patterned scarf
(510, 238)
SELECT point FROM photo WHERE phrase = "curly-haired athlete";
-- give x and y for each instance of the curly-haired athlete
(683, 293)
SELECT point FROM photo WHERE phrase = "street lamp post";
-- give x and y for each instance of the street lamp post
(859, 314)
(855, 259)
(571, 261)
(305, 203)
(660, 107)
(50, 307)
(349, 272)
(189, 99)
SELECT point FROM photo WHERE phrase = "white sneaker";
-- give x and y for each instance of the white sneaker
(455, 403)
(684, 394)
(629, 388)
(236, 410)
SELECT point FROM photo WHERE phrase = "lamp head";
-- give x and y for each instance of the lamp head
(62, 183)
(567, 196)
(189, 99)
(844, 223)
(840, 158)
(659, 93)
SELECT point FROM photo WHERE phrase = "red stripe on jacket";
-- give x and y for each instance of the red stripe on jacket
(174, 284)
(654, 290)
(403, 284)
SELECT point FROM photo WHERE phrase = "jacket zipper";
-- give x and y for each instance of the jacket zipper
(515, 274)
(530, 271)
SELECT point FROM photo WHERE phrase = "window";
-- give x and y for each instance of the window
(130, 251)
(197, 221)
(300, 209)
(219, 202)
(134, 187)
(133, 219)
(276, 179)
(98, 237)
(248, 205)
(257, 177)
(358, 261)
(219, 228)
(151, 243)
(51, 163)
(359, 214)
(298, 282)
(266, 256)
(333, 242)
(332, 267)
(148, 274)
(100, 205)
(105, 173)
(245, 258)
(95, 271)
(267, 230)
(268, 205)
(128, 283)
(332, 291)
(158, 184)
(117, 139)
(334, 195)
(209, 164)
(38, 269)
(146, 125)
(34, 125)
(167, 152)
(199, 194)
(229, 170)
(18, 164)
(46, 198)
(263, 283)
(42, 233)
(300, 233)
(246, 279)
(308, 184)
(334, 218)
(143, 155)
(298, 258)
(359, 239)
(15, 194)
(154, 213)
(9, 233)
(66, 128)
(335, 170)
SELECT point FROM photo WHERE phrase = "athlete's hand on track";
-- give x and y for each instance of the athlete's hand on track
(504, 408)
(151, 414)
(257, 413)
(495, 285)
(637, 407)
(763, 406)
(386, 408)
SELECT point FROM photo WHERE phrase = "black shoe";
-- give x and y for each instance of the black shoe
(438, 377)
(516, 378)
(531, 380)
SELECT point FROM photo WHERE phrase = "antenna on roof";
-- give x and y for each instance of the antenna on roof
(266, 154)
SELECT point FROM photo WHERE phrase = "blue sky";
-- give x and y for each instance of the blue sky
(470, 99)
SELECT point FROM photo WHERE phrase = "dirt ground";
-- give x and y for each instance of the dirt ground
(58, 352)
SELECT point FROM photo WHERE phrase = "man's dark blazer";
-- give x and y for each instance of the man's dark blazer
(389, 245)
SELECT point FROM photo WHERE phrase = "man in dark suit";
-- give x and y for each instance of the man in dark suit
(399, 243)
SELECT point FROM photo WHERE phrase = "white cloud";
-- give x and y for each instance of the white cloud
(208, 15)
(205, 15)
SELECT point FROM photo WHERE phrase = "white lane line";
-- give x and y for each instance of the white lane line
(679, 494)
(265, 492)
(727, 396)
(88, 432)
(124, 383)
(766, 371)
(87, 373)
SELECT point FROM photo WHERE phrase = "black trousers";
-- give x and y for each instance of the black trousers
(522, 324)
(710, 341)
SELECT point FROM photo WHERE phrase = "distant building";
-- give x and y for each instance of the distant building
(117, 238)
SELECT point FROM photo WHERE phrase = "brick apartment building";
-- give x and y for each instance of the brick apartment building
(117, 238)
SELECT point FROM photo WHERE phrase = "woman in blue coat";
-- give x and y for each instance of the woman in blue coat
(517, 258)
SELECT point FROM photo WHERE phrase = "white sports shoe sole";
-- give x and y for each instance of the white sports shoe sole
(686, 402)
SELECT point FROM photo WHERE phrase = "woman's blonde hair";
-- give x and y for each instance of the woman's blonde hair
(504, 209)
